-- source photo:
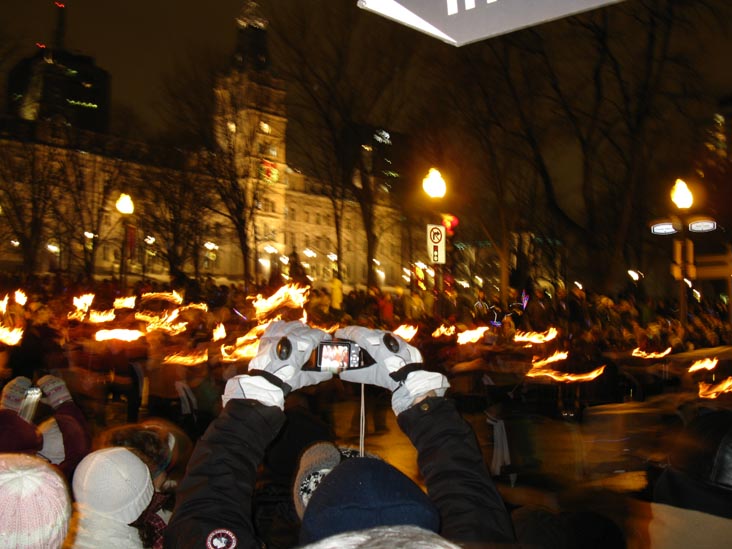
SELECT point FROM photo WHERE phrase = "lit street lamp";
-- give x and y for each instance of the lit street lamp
(125, 207)
(683, 268)
(434, 185)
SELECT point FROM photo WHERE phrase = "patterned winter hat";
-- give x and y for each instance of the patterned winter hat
(315, 463)
(35, 506)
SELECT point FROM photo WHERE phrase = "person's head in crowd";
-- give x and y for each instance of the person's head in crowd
(35, 506)
(112, 488)
(336, 491)
(155, 443)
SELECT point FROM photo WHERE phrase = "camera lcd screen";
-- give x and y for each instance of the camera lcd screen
(334, 356)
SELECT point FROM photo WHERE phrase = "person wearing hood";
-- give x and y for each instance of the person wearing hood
(358, 499)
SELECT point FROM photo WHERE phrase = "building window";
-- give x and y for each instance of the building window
(264, 127)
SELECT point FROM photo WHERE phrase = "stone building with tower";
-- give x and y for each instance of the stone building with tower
(284, 210)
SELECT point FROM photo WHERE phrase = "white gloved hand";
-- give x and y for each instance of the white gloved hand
(277, 369)
(398, 367)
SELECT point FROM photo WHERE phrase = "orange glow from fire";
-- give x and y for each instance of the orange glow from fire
(245, 346)
(10, 336)
(174, 296)
(219, 332)
(163, 323)
(289, 295)
(118, 334)
(535, 337)
(703, 364)
(556, 357)
(187, 359)
(707, 390)
(406, 332)
(20, 297)
(125, 302)
(97, 317)
(565, 377)
(642, 354)
(444, 331)
(4, 304)
(471, 336)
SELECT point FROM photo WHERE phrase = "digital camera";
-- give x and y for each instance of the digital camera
(337, 355)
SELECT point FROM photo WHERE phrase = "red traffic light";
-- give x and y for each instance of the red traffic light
(450, 222)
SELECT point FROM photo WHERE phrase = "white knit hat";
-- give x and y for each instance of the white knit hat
(35, 505)
(114, 482)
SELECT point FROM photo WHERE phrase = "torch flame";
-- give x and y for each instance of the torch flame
(20, 297)
(83, 302)
(10, 336)
(163, 323)
(444, 331)
(406, 332)
(289, 295)
(187, 359)
(703, 364)
(245, 346)
(97, 317)
(173, 296)
(219, 332)
(118, 334)
(471, 336)
(535, 337)
(565, 377)
(707, 390)
(125, 302)
(556, 357)
(200, 306)
(642, 354)
(4, 304)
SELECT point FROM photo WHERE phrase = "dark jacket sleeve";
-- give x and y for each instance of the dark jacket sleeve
(76, 435)
(215, 494)
(457, 480)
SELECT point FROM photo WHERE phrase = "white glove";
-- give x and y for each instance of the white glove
(398, 367)
(276, 370)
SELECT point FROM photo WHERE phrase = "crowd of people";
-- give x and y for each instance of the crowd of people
(238, 456)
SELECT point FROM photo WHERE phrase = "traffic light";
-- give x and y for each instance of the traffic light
(450, 222)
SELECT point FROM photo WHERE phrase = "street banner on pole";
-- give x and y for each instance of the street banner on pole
(436, 243)
(460, 22)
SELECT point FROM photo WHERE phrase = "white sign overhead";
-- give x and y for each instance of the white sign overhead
(460, 22)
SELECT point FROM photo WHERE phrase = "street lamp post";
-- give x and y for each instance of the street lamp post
(125, 207)
(435, 187)
(683, 267)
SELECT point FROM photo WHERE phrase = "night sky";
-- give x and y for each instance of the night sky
(138, 41)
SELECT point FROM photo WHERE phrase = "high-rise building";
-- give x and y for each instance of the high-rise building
(58, 84)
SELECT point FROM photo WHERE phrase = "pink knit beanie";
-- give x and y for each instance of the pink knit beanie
(35, 505)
